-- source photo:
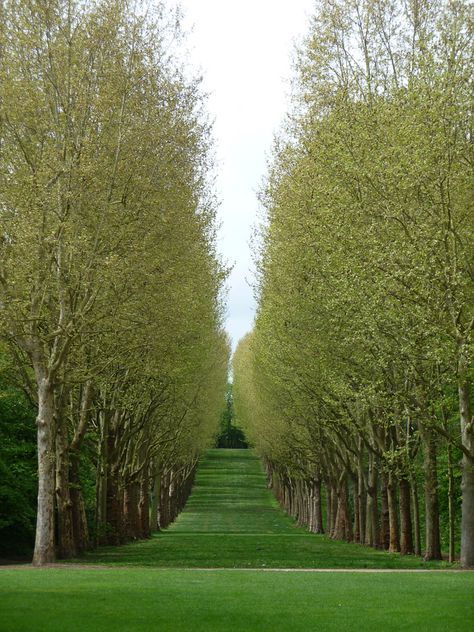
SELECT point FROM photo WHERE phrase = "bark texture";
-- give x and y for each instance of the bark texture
(406, 530)
(44, 552)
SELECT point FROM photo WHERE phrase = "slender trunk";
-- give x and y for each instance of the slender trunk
(334, 507)
(385, 518)
(317, 521)
(132, 519)
(308, 501)
(450, 504)
(328, 509)
(291, 498)
(113, 507)
(342, 528)
(155, 504)
(361, 495)
(305, 503)
(284, 493)
(144, 506)
(416, 515)
(164, 501)
(311, 517)
(406, 531)
(394, 545)
(299, 503)
(66, 545)
(102, 484)
(356, 522)
(433, 544)
(120, 513)
(114, 529)
(304, 517)
(44, 543)
(371, 531)
(171, 496)
(79, 519)
(467, 481)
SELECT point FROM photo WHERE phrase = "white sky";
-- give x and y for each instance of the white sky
(244, 49)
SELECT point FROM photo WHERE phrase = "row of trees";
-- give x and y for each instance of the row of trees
(110, 288)
(355, 383)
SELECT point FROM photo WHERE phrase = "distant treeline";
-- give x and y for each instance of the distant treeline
(230, 435)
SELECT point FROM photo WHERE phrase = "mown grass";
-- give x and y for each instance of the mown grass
(65, 600)
(233, 521)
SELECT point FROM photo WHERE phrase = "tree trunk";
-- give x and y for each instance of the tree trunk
(132, 518)
(44, 543)
(342, 527)
(450, 504)
(113, 508)
(385, 518)
(416, 515)
(371, 531)
(406, 531)
(155, 504)
(102, 472)
(432, 545)
(356, 525)
(305, 501)
(328, 509)
(144, 506)
(300, 513)
(79, 519)
(317, 511)
(66, 547)
(361, 495)
(394, 545)
(334, 508)
(164, 501)
(467, 481)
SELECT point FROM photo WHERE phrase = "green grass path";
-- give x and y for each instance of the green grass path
(232, 520)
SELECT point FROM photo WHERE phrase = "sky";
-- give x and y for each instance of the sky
(244, 50)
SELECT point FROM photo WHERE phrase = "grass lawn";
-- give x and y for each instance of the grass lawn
(67, 600)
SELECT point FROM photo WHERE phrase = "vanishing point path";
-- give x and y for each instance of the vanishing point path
(232, 520)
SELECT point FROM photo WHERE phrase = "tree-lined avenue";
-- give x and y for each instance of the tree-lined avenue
(232, 520)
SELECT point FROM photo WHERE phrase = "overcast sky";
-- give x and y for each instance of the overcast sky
(244, 50)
